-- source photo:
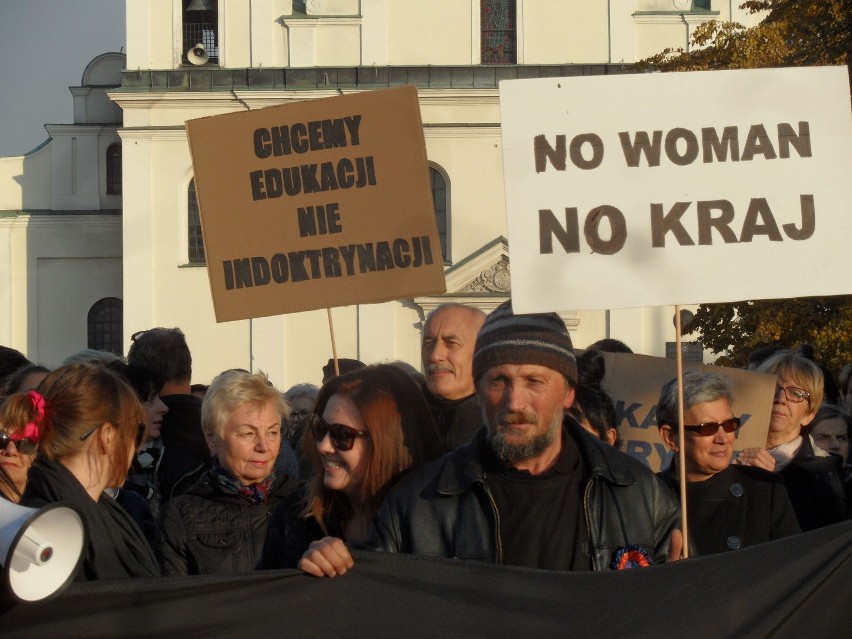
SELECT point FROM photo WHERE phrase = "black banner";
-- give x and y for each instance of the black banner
(800, 586)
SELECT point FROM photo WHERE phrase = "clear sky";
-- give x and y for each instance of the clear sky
(45, 46)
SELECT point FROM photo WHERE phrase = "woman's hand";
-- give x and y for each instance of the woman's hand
(327, 557)
(759, 457)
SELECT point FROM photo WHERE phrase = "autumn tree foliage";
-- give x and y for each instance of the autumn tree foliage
(793, 33)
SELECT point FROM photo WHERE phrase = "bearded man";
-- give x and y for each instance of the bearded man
(532, 488)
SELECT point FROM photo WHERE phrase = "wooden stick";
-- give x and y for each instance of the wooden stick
(681, 459)
(333, 344)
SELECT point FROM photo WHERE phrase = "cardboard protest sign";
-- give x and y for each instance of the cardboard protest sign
(315, 204)
(634, 383)
(676, 188)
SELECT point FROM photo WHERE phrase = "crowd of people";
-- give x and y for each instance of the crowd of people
(503, 443)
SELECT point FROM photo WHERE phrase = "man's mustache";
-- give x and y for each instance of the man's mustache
(440, 368)
(518, 418)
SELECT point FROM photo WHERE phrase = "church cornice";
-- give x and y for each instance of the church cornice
(214, 79)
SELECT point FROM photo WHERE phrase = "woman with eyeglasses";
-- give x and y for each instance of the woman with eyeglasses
(90, 425)
(369, 428)
(812, 476)
(728, 506)
(218, 525)
(20, 423)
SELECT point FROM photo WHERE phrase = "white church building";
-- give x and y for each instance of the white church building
(100, 226)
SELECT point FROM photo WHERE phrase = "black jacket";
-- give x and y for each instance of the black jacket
(290, 533)
(208, 531)
(185, 453)
(737, 507)
(115, 547)
(445, 509)
(816, 491)
(457, 420)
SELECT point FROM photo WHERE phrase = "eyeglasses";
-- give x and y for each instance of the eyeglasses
(298, 416)
(342, 437)
(708, 429)
(140, 433)
(25, 446)
(793, 393)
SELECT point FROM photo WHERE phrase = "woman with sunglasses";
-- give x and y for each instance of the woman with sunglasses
(218, 526)
(18, 444)
(369, 428)
(90, 424)
(813, 476)
(728, 506)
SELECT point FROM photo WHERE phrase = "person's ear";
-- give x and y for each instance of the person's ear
(669, 437)
(570, 394)
(611, 436)
(106, 434)
(807, 419)
(210, 438)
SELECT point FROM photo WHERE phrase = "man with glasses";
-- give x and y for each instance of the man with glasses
(301, 398)
(812, 475)
(729, 507)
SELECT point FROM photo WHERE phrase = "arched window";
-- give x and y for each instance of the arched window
(113, 169)
(200, 27)
(498, 31)
(193, 220)
(439, 201)
(106, 324)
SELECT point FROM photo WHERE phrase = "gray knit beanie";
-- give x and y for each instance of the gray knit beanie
(539, 338)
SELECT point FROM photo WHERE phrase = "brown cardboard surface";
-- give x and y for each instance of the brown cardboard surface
(634, 383)
(360, 161)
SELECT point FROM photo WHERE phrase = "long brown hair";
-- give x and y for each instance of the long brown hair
(402, 432)
(79, 398)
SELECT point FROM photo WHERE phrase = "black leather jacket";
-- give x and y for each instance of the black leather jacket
(446, 510)
(207, 531)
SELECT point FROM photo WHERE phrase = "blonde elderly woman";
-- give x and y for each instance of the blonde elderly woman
(812, 475)
(219, 525)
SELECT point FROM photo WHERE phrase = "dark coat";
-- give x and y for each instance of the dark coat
(737, 507)
(445, 508)
(115, 547)
(457, 420)
(208, 531)
(185, 453)
(290, 532)
(815, 488)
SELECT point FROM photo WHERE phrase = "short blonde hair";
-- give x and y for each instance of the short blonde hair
(801, 370)
(232, 389)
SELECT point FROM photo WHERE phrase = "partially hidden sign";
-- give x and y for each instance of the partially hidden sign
(316, 204)
(676, 188)
(634, 383)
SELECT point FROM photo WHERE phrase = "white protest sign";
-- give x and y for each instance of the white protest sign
(677, 188)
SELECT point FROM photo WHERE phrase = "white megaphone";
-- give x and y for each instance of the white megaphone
(198, 54)
(40, 548)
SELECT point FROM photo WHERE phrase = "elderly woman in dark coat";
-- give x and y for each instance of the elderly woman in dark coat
(812, 476)
(219, 525)
(728, 506)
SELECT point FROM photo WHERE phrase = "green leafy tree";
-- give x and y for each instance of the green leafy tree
(793, 33)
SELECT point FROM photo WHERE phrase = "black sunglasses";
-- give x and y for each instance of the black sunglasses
(342, 437)
(25, 446)
(140, 433)
(708, 429)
